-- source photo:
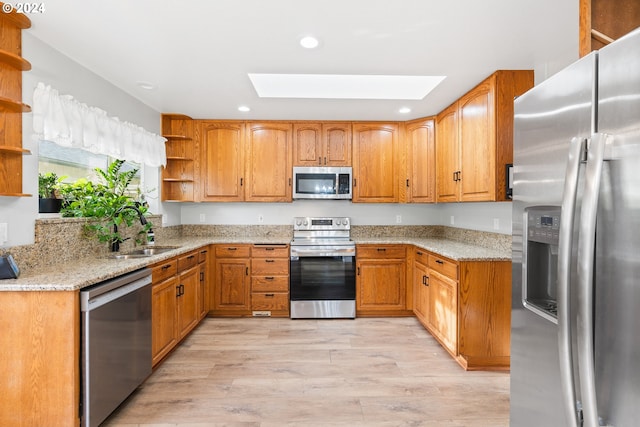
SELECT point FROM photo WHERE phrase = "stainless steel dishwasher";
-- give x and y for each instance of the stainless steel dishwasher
(116, 342)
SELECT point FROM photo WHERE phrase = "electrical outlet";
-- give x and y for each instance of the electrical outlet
(398, 219)
(260, 218)
(496, 223)
(203, 217)
(452, 220)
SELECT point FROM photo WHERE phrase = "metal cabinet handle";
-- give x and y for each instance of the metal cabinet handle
(439, 261)
(269, 260)
(202, 276)
(419, 253)
(269, 249)
(269, 295)
(178, 291)
(355, 182)
(407, 183)
(381, 249)
(191, 257)
(164, 267)
(232, 249)
(269, 278)
(241, 181)
(358, 273)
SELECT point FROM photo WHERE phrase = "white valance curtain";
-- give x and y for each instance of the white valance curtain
(69, 123)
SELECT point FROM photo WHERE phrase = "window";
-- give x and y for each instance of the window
(74, 163)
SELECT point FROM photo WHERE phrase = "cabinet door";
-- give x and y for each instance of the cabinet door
(381, 284)
(336, 139)
(307, 144)
(222, 167)
(269, 164)
(421, 162)
(447, 154)
(164, 317)
(232, 286)
(375, 162)
(478, 143)
(443, 309)
(421, 292)
(188, 301)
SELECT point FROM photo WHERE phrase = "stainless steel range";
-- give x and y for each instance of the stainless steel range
(322, 274)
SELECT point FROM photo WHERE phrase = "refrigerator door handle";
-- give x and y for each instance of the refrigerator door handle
(586, 250)
(565, 247)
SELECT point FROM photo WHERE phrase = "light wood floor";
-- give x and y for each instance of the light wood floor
(264, 372)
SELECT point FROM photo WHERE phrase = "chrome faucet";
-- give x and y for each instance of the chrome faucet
(115, 245)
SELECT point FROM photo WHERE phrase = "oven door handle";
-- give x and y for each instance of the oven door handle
(297, 253)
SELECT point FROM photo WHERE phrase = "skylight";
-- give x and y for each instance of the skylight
(336, 86)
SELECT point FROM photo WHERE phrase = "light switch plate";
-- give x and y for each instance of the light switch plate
(3, 233)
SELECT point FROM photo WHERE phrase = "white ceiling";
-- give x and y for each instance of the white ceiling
(198, 52)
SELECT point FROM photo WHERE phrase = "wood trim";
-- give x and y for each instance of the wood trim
(40, 366)
(584, 34)
(16, 19)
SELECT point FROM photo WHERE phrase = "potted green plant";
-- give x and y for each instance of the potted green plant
(108, 200)
(48, 185)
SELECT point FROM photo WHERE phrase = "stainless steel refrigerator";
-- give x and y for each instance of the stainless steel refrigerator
(575, 342)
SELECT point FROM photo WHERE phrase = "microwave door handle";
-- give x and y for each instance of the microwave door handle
(586, 251)
(568, 212)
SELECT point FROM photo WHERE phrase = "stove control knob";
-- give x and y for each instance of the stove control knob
(338, 222)
(346, 221)
(298, 222)
(305, 223)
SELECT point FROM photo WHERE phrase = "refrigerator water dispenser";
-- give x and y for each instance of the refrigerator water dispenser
(540, 260)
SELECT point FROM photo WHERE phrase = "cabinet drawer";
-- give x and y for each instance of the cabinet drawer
(233, 251)
(270, 266)
(161, 271)
(380, 251)
(202, 254)
(444, 266)
(270, 301)
(270, 251)
(187, 261)
(422, 257)
(270, 284)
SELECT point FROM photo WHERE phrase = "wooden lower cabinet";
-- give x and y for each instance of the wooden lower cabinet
(381, 280)
(466, 305)
(176, 304)
(270, 280)
(232, 286)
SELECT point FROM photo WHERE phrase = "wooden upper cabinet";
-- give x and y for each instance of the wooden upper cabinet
(421, 162)
(375, 162)
(322, 144)
(222, 171)
(477, 147)
(474, 141)
(178, 176)
(11, 107)
(447, 154)
(269, 163)
(603, 21)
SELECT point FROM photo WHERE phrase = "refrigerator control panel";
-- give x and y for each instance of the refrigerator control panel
(543, 225)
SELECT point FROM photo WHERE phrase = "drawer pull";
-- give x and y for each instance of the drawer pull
(269, 260)
(203, 252)
(232, 249)
(439, 261)
(269, 295)
(269, 249)
(382, 249)
(419, 253)
(191, 257)
(269, 278)
(164, 267)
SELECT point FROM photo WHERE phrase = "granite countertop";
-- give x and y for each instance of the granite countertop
(88, 271)
(457, 251)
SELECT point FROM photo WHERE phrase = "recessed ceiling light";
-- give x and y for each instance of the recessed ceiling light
(404, 110)
(335, 86)
(146, 85)
(244, 108)
(309, 42)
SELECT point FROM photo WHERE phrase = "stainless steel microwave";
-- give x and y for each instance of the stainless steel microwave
(322, 183)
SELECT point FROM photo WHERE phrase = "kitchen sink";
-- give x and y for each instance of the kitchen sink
(144, 252)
